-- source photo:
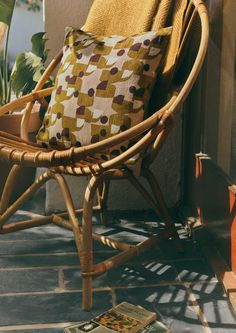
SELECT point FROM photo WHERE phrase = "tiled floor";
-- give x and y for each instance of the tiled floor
(40, 289)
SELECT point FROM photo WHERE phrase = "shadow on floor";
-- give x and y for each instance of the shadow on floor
(40, 288)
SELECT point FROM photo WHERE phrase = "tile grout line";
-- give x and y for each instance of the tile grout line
(113, 297)
(75, 266)
(37, 268)
(50, 292)
(61, 280)
(57, 254)
(107, 288)
(193, 301)
(197, 309)
(44, 254)
(35, 326)
(16, 241)
(22, 255)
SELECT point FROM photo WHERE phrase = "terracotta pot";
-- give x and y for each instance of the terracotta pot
(11, 123)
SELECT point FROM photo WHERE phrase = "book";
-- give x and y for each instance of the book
(154, 327)
(123, 318)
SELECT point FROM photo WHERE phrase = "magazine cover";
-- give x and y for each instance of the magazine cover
(124, 318)
(89, 326)
(119, 322)
(156, 327)
(136, 312)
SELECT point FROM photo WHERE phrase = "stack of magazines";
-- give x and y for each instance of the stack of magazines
(124, 318)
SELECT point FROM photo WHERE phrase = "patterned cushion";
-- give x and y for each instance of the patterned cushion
(103, 87)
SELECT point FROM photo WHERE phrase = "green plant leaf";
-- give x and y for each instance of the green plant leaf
(6, 10)
(26, 72)
(38, 44)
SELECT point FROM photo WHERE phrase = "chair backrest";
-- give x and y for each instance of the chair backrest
(154, 126)
(133, 16)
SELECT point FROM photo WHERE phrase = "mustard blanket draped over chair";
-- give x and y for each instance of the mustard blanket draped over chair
(111, 17)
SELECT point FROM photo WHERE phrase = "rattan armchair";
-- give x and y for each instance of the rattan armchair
(185, 16)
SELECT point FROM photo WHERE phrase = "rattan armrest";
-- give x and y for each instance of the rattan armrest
(20, 151)
(22, 101)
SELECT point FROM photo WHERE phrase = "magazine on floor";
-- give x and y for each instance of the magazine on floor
(124, 318)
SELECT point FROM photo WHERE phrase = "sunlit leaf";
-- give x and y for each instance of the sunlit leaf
(3, 30)
(6, 10)
(26, 72)
(38, 44)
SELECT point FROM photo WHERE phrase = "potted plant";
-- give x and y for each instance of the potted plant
(20, 80)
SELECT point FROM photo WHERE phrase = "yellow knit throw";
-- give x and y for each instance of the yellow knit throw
(122, 17)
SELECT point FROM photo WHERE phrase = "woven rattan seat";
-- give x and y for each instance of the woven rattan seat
(184, 16)
(15, 150)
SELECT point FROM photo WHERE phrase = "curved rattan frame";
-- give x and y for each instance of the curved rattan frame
(79, 161)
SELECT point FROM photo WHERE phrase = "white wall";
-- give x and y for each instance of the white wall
(24, 24)
(58, 14)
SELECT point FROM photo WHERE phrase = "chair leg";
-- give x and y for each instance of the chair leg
(159, 198)
(83, 238)
(103, 192)
(20, 201)
(70, 209)
(9, 187)
(87, 255)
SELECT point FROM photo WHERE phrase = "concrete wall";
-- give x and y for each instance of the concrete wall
(58, 14)
(25, 23)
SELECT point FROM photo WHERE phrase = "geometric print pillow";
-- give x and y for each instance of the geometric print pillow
(102, 88)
